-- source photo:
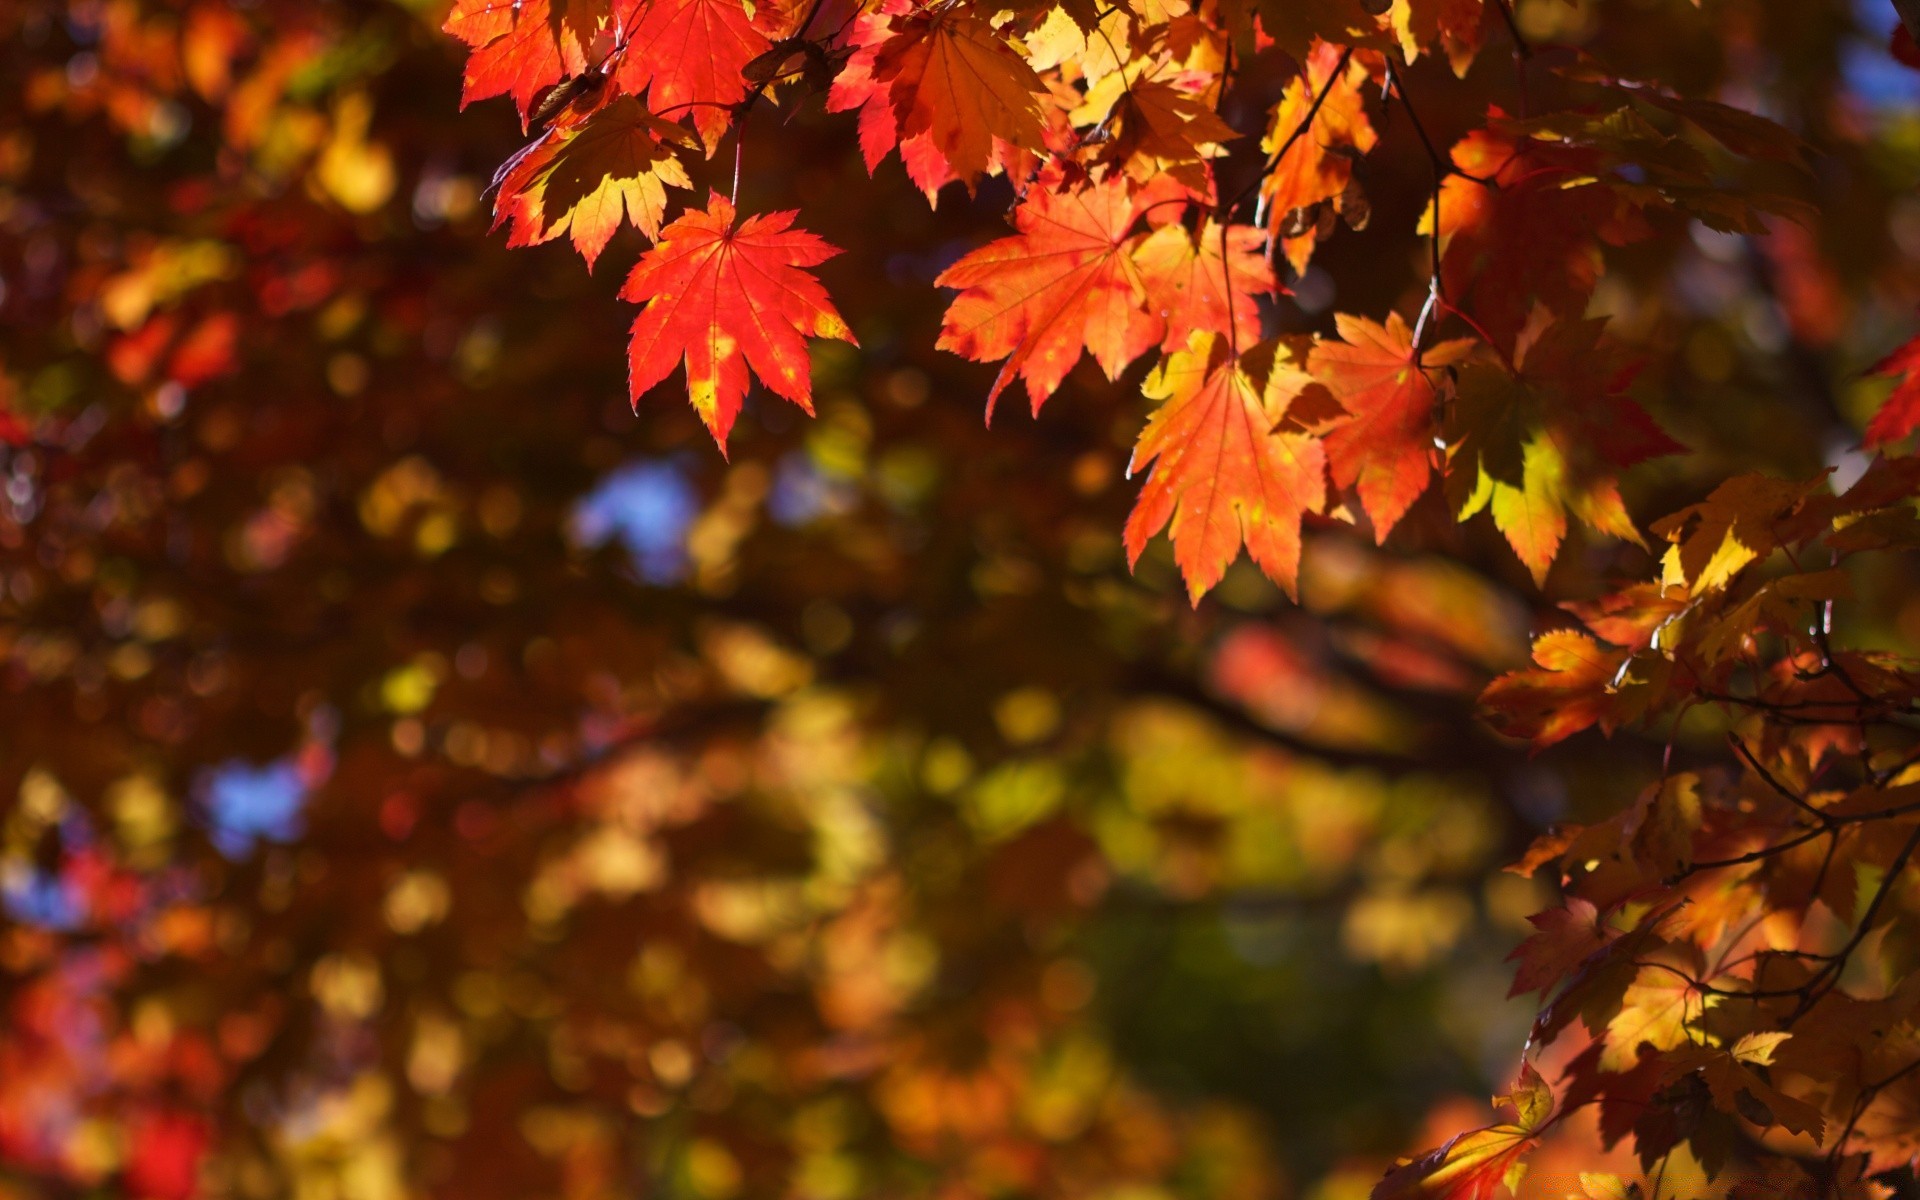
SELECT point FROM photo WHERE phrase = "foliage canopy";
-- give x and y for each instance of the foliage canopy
(428, 776)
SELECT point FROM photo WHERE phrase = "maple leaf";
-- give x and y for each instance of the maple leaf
(1736, 1088)
(1455, 27)
(1564, 695)
(945, 87)
(1654, 1012)
(1522, 220)
(727, 298)
(1563, 938)
(1661, 825)
(1316, 132)
(1900, 413)
(588, 176)
(1221, 474)
(1783, 606)
(1386, 448)
(1066, 281)
(1541, 440)
(1473, 1165)
(1152, 127)
(1205, 282)
(687, 56)
(1736, 525)
(520, 47)
(1747, 134)
(1531, 512)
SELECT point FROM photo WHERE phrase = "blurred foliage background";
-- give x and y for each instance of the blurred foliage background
(422, 775)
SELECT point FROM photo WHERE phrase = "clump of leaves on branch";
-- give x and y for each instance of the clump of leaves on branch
(420, 776)
(1728, 963)
(1733, 968)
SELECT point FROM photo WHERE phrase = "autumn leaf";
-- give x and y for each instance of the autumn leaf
(1455, 28)
(1531, 512)
(1654, 1012)
(1066, 281)
(1565, 691)
(1662, 824)
(1736, 525)
(1738, 1090)
(1221, 473)
(1474, 1165)
(1386, 449)
(1562, 939)
(1152, 127)
(687, 56)
(1314, 135)
(1899, 414)
(1523, 221)
(1543, 438)
(945, 87)
(519, 47)
(586, 178)
(1205, 282)
(725, 298)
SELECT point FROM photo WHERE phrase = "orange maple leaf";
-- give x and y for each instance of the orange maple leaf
(1150, 127)
(1317, 131)
(1206, 282)
(1065, 281)
(1654, 1011)
(1386, 447)
(688, 56)
(588, 176)
(1565, 692)
(725, 298)
(943, 85)
(1223, 476)
(1474, 1165)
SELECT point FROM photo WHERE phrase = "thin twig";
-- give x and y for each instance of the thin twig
(1792, 797)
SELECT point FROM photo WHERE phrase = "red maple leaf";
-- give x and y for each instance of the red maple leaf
(944, 86)
(1900, 414)
(521, 47)
(1522, 220)
(1223, 476)
(725, 298)
(1066, 281)
(688, 55)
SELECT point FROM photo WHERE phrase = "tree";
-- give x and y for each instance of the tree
(429, 776)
